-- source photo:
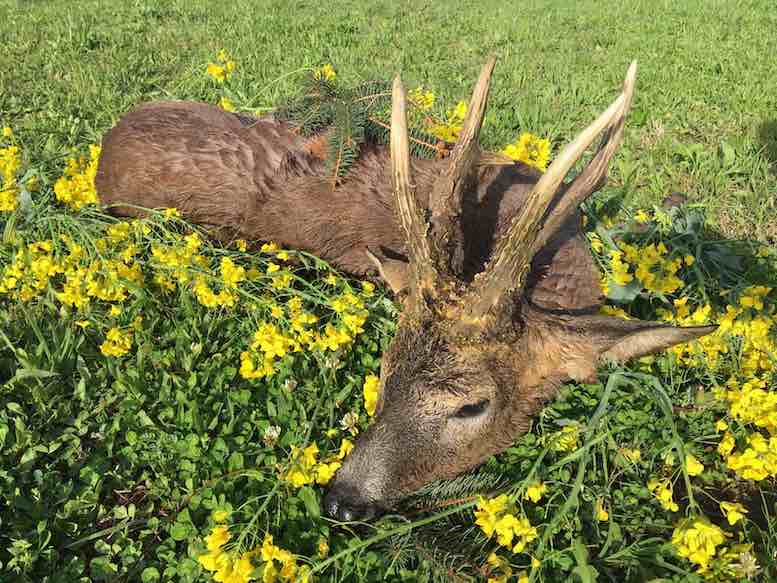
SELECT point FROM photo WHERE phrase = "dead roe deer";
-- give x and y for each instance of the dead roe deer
(500, 293)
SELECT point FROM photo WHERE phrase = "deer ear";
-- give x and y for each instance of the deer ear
(392, 271)
(621, 340)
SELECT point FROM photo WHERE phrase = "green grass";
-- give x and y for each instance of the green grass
(705, 82)
(110, 467)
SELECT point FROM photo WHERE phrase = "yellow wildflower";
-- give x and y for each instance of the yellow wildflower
(535, 491)
(633, 455)
(323, 547)
(117, 343)
(423, 100)
(596, 242)
(497, 516)
(567, 439)
(692, 465)
(346, 445)
(620, 270)
(326, 72)
(600, 512)
(529, 149)
(696, 539)
(226, 104)
(641, 216)
(662, 489)
(370, 390)
(75, 187)
(217, 538)
(325, 472)
(448, 130)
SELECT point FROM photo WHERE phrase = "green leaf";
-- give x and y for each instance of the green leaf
(150, 575)
(179, 531)
(103, 569)
(309, 498)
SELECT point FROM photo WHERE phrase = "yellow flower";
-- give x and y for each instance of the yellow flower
(734, 511)
(370, 390)
(596, 242)
(633, 455)
(501, 566)
(727, 444)
(326, 72)
(696, 539)
(75, 187)
(171, 213)
(662, 489)
(600, 512)
(345, 448)
(217, 72)
(535, 491)
(449, 129)
(721, 425)
(325, 472)
(323, 547)
(214, 560)
(117, 343)
(282, 256)
(423, 100)
(693, 465)
(497, 516)
(529, 149)
(241, 245)
(217, 538)
(620, 270)
(641, 216)
(7, 132)
(226, 104)
(567, 438)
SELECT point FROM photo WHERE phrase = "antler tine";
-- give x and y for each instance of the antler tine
(423, 274)
(446, 196)
(595, 172)
(507, 270)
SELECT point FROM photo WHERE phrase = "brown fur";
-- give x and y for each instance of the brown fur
(260, 180)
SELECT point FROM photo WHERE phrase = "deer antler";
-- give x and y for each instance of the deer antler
(446, 196)
(422, 272)
(505, 274)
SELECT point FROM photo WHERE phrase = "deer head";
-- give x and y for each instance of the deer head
(472, 361)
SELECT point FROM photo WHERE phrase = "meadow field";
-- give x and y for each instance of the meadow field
(172, 408)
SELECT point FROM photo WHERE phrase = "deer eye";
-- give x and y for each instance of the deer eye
(472, 409)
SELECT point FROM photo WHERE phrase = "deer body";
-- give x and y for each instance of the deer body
(257, 179)
(499, 290)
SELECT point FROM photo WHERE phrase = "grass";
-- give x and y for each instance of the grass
(703, 121)
(113, 466)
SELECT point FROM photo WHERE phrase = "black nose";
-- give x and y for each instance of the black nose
(342, 503)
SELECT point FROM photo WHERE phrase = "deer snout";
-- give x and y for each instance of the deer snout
(344, 502)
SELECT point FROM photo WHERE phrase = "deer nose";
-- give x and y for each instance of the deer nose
(343, 503)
